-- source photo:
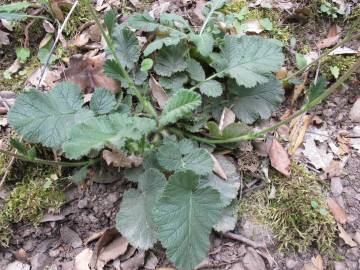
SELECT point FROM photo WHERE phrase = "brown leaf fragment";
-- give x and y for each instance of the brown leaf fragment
(299, 127)
(151, 261)
(346, 237)
(55, 6)
(318, 262)
(80, 40)
(70, 237)
(328, 42)
(337, 211)
(94, 236)
(279, 158)
(121, 160)
(135, 262)
(4, 38)
(199, 16)
(87, 72)
(108, 236)
(48, 81)
(281, 73)
(113, 250)
(158, 92)
(218, 169)
(82, 260)
(49, 28)
(227, 118)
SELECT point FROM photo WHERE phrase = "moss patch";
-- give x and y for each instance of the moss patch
(279, 31)
(343, 62)
(298, 215)
(29, 200)
(80, 16)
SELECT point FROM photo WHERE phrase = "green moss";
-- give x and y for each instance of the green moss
(80, 16)
(298, 214)
(343, 62)
(5, 232)
(279, 31)
(29, 200)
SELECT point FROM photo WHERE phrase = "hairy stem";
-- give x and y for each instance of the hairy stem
(253, 135)
(146, 104)
(49, 162)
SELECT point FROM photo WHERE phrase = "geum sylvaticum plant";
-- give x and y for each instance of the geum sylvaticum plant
(178, 199)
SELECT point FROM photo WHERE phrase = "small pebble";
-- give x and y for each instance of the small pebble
(83, 203)
(336, 186)
(291, 264)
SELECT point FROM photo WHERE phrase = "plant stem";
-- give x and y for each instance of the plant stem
(212, 10)
(146, 104)
(49, 162)
(253, 135)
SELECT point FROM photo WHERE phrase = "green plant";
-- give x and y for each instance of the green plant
(330, 9)
(12, 12)
(178, 199)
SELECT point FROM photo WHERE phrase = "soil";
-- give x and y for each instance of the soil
(92, 207)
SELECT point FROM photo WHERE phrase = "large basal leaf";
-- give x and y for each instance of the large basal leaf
(126, 46)
(184, 216)
(259, 101)
(48, 117)
(13, 7)
(230, 131)
(179, 105)
(195, 70)
(174, 156)
(102, 101)
(228, 218)
(228, 189)
(134, 219)
(204, 43)
(113, 130)
(170, 59)
(248, 59)
(175, 82)
(211, 88)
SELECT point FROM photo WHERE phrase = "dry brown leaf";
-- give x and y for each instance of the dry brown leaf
(82, 260)
(158, 92)
(332, 38)
(227, 118)
(337, 211)
(299, 88)
(346, 237)
(281, 73)
(318, 262)
(217, 168)
(49, 78)
(113, 250)
(299, 127)
(94, 236)
(121, 160)
(70, 237)
(94, 33)
(135, 262)
(55, 6)
(80, 39)
(4, 38)
(49, 28)
(279, 158)
(87, 72)
(283, 4)
(108, 236)
(253, 26)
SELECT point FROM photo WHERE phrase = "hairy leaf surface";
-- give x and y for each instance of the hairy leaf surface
(228, 189)
(204, 43)
(174, 82)
(184, 216)
(195, 70)
(113, 130)
(259, 101)
(181, 156)
(211, 88)
(170, 60)
(134, 220)
(183, 102)
(102, 101)
(126, 46)
(248, 59)
(48, 117)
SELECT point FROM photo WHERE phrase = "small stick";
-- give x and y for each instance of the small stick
(245, 240)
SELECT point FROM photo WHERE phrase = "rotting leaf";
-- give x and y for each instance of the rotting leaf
(337, 211)
(120, 159)
(82, 260)
(114, 249)
(346, 237)
(279, 158)
(88, 73)
(158, 92)
(299, 127)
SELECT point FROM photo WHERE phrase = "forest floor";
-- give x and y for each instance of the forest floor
(60, 230)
